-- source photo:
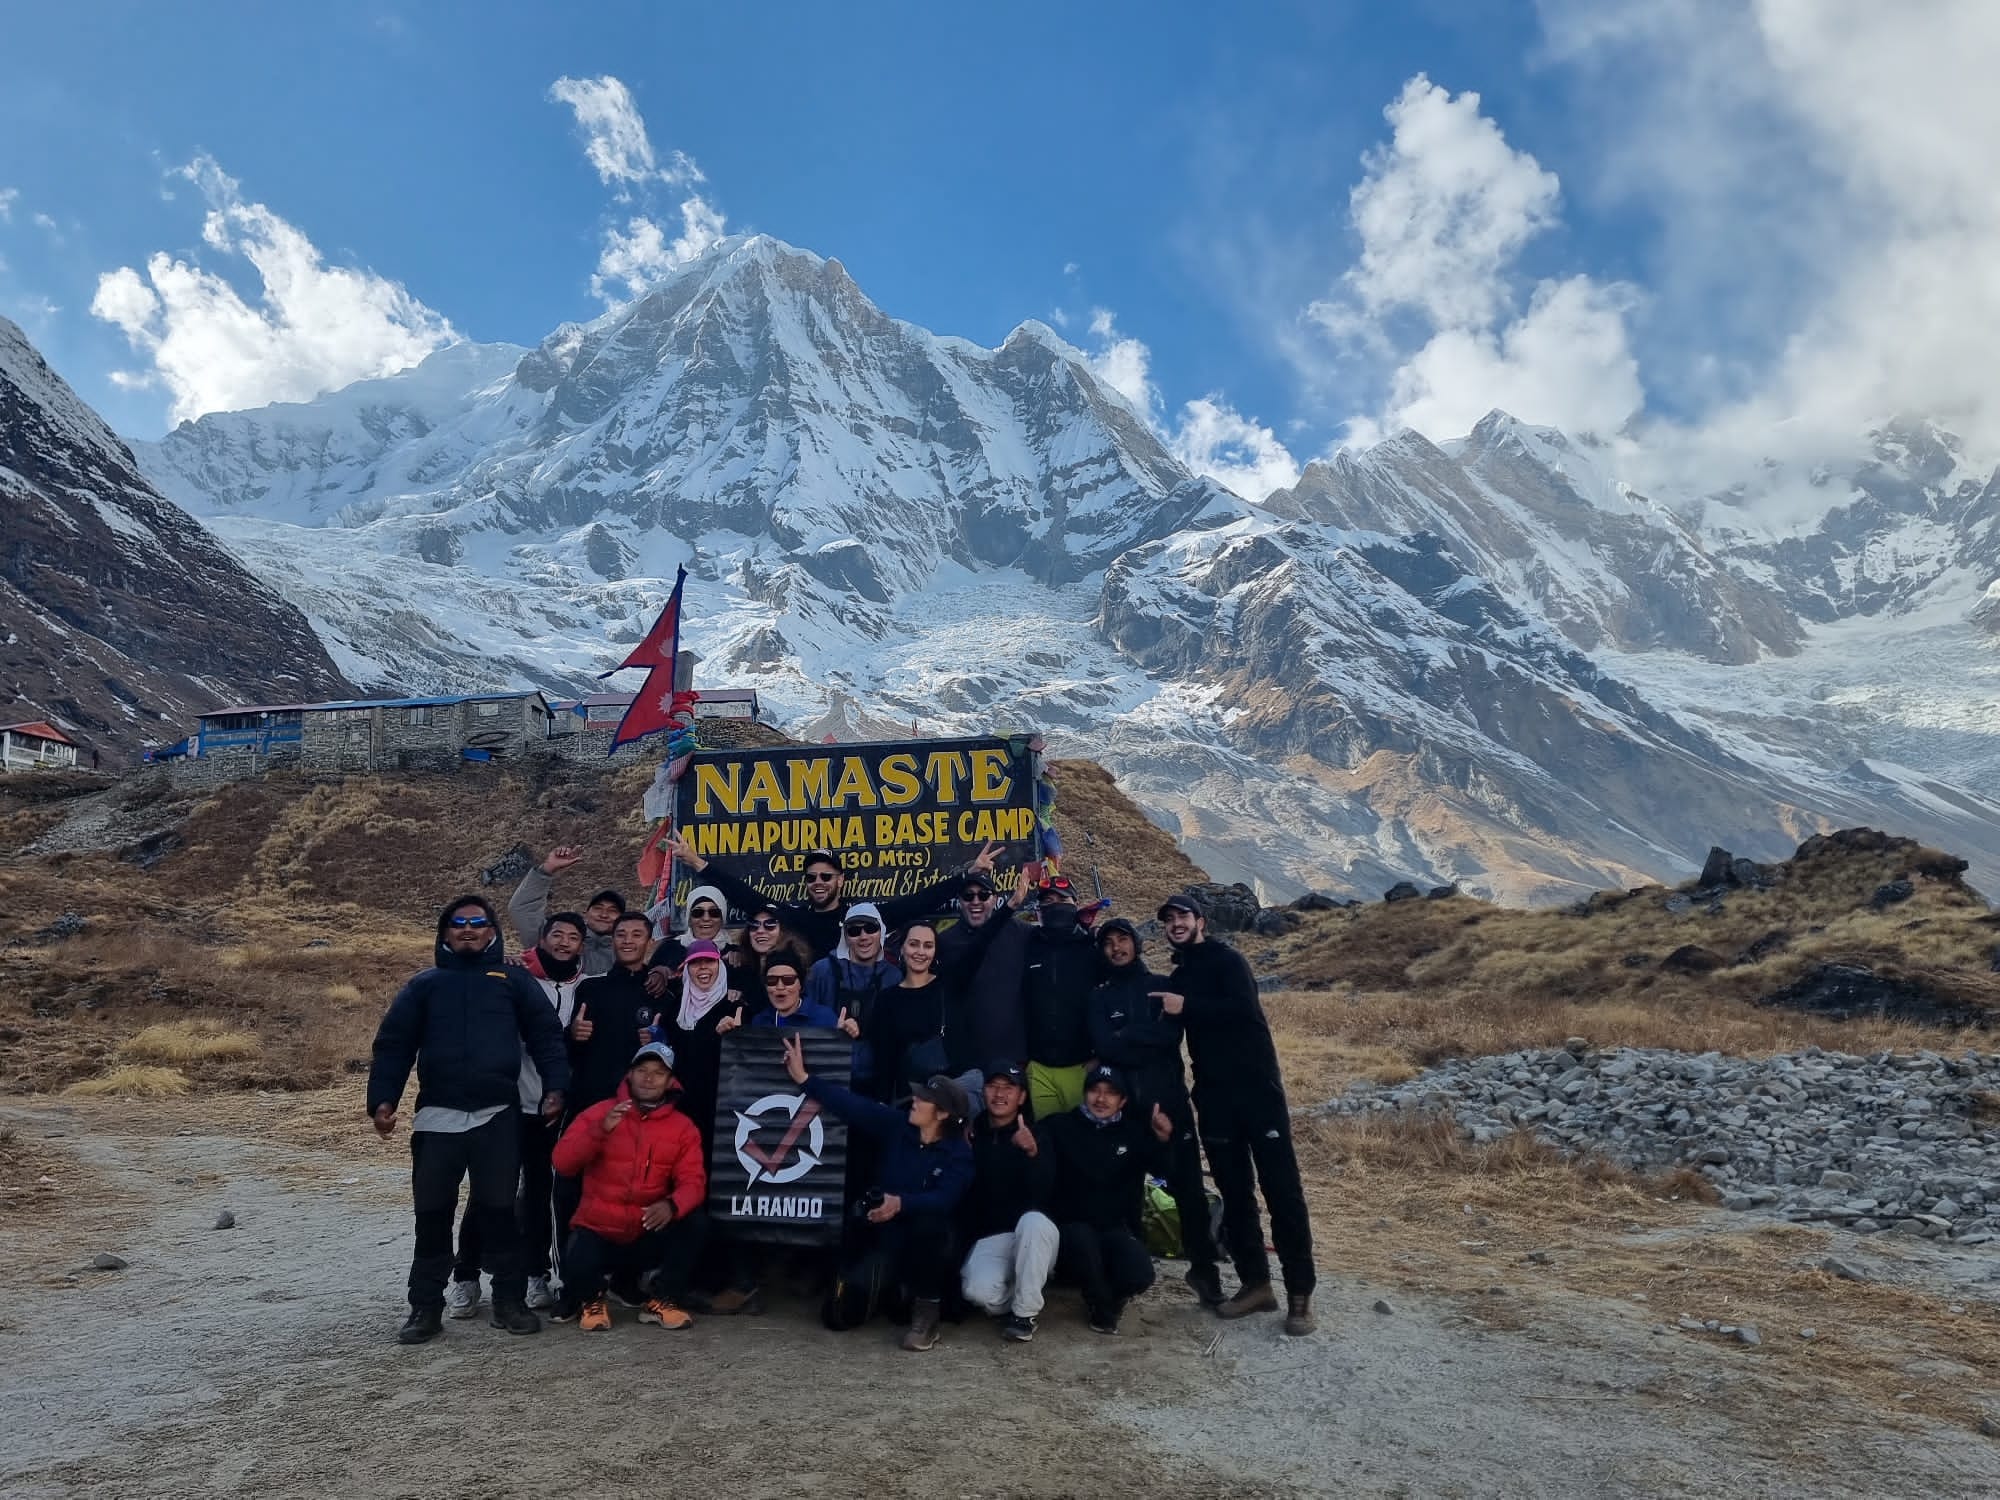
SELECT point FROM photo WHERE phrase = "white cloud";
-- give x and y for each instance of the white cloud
(1210, 437)
(635, 256)
(43, 222)
(1443, 212)
(1820, 173)
(312, 327)
(8, 198)
(1219, 443)
(1124, 364)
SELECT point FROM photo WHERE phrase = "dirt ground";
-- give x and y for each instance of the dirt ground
(259, 1360)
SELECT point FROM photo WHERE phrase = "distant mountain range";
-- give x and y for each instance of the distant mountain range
(1488, 661)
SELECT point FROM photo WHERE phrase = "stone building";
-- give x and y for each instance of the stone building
(389, 734)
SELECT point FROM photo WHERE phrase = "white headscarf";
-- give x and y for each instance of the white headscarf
(864, 909)
(696, 1003)
(709, 894)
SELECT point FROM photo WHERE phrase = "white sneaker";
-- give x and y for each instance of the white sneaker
(539, 1295)
(461, 1299)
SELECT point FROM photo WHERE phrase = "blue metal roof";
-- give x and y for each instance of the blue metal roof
(343, 703)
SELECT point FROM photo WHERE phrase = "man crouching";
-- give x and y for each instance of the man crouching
(644, 1183)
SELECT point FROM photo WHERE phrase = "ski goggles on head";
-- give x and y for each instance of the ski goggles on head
(471, 921)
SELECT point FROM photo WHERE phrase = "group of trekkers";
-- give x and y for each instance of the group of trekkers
(1013, 1087)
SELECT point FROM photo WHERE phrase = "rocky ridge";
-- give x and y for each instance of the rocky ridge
(1904, 1142)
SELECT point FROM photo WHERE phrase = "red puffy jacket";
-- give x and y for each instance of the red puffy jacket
(648, 1157)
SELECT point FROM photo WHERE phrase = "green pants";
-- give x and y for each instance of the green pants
(1053, 1091)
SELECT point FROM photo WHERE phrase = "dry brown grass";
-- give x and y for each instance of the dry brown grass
(1420, 981)
(132, 1081)
(1104, 831)
(189, 1041)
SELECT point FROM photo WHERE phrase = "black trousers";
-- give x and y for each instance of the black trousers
(1109, 1264)
(913, 1255)
(1249, 1145)
(490, 1157)
(534, 1207)
(590, 1260)
(1185, 1184)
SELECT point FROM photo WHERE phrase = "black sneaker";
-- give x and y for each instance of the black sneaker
(1105, 1319)
(514, 1317)
(1019, 1329)
(1206, 1282)
(421, 1326)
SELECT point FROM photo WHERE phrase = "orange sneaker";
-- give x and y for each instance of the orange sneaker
(596, 1316)
(665, 1314)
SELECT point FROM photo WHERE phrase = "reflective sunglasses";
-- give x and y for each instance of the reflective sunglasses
(471, 922)
(855, 929)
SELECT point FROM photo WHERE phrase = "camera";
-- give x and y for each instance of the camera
(868, 1202)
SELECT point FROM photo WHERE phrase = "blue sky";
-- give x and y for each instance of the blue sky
(1629, 225)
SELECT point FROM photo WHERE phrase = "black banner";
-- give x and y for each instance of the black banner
(900, 814)
(778, 1170)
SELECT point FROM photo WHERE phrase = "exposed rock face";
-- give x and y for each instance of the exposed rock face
(120, 616)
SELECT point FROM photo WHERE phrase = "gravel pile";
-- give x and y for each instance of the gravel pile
(1907, 1142)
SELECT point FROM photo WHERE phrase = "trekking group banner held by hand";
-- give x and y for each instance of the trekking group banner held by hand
(778, 1166)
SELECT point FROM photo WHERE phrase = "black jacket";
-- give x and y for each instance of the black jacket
(985, 1018)
(617, 1006)
(1129, 1030)
(697, 1056)
(1006, 1181)
(463, 1024)
(1056, 984)
(1101, 1169)
(1228, 1037)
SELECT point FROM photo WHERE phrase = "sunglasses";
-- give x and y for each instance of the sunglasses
(763, 924)
(471, 922)
(785, 979)
(855, 929)
(818, 875)
(703, 909)
(977, 893)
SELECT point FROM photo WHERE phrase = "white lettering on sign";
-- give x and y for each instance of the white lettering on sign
(761, 1206)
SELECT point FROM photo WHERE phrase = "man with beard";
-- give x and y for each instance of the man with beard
(462, 1024)
(1130, 1030)
(1245, 1124)
(1060, 973)
(981, 958)
(1102, 1151)
(554, 964)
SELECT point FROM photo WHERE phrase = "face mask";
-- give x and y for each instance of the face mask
(1059, 918)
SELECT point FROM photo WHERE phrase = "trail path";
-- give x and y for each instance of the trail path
(258, 1361)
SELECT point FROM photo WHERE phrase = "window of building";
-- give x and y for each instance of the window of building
(419, 717)
(487, 710)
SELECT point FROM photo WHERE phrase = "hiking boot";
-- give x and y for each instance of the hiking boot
(1299, 1320)
(732, 1300)
(1105, 1319)
(421, 1326)
(1018, 1329)
(668, 1316)
(923, 1332)
(539, 1293)
(1250, 1299)
(1206, 1282)
(461, 1298)
(596, 1316)
(512, 1317)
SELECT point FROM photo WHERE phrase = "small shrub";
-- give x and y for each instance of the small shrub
(188, 1041)
(132, 1081)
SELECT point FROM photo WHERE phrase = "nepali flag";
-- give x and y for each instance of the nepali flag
(657, 708)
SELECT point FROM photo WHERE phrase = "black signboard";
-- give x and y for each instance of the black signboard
(778, 1169)
(899, 813)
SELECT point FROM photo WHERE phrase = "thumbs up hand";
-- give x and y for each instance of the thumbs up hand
(1163, 1128)
(848, 1024)
(1025, 1137)
(729, 1023)
(582, 1027)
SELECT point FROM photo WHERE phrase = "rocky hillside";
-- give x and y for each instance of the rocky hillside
(120, 616)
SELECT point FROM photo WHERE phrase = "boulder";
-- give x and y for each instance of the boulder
(1274, 920)
(1895, 892)
(510, 868)
(1775, 941)
(1715, 869)
(1844, 991)
(1402, 890)
(1231, 908)
(1692, 958)
(1441, 893)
